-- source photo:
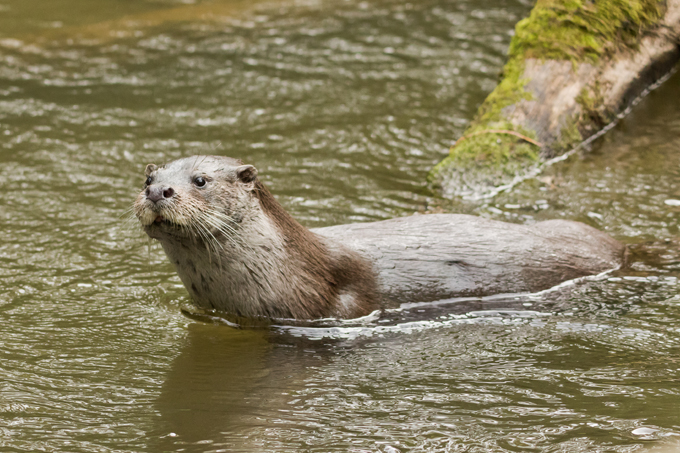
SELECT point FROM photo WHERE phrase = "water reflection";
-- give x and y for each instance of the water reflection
(215, 388)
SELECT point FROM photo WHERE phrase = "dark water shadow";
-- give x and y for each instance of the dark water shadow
(225, 384)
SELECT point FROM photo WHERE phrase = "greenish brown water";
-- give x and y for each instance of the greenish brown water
(343, 107)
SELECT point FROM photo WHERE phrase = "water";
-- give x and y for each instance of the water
(343, 107)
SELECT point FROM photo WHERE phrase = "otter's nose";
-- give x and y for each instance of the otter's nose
(157, 193)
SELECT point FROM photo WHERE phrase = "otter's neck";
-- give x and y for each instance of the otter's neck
(298, 241)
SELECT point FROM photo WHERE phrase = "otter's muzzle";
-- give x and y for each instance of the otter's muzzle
(158, 193)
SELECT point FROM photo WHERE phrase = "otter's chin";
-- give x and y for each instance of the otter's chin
(146, 216)
(161, 228)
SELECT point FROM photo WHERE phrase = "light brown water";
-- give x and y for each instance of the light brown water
(343, 107)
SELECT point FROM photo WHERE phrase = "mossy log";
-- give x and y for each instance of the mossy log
(573, 67)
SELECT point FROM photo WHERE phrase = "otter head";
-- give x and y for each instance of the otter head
(199, 197)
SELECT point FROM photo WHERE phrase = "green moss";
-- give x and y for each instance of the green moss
(509, 91)
(569, 137)
(590, 98)
(494, 149)
(594, 113)
(582, 30)
(502, 154)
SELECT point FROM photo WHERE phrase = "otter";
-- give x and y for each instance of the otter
(238, 251)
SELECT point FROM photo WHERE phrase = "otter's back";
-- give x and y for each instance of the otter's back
(437, 256)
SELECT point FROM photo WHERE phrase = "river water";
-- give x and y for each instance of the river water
(343, 106)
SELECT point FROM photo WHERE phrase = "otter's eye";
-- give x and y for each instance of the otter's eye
(199, 181)
(149, 180)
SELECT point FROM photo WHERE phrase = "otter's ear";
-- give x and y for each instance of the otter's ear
(150, 169)
(246, 173)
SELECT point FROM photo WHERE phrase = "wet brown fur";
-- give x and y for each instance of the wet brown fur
(327, 272)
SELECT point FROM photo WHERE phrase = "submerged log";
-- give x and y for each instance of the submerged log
(574, 66)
